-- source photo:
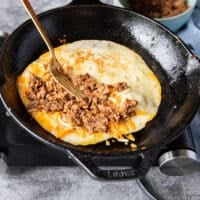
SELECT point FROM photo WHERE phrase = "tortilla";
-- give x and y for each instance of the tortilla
(109, 63)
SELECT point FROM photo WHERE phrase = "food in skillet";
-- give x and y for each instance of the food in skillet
(124, 94)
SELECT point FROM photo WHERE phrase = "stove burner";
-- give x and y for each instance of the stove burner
(18, 148)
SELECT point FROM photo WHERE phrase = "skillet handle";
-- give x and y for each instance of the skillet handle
(3, 36)
(147, 158)
(82, 2)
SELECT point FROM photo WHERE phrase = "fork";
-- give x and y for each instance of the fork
(54, 65)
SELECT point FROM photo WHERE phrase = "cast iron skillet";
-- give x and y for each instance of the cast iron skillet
(177, 69)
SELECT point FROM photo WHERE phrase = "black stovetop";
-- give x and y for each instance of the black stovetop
(21, 149)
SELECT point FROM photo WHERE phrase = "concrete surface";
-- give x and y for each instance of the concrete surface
(64, 183)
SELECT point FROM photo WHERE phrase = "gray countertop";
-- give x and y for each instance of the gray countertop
(60, 183)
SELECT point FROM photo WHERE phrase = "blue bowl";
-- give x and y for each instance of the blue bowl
(176, 22)
(173, 23)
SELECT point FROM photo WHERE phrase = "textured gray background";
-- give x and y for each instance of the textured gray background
(61, 183)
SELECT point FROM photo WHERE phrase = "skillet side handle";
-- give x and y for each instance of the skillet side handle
(3, 37)
(2, 78)
(147, 160)
(82, 2)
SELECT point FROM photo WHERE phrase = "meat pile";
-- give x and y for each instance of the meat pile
(159, 8)
(95, 115)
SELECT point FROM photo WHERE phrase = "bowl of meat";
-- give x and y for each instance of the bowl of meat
(172, 14)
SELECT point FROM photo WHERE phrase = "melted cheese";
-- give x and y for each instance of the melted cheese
(109, 63)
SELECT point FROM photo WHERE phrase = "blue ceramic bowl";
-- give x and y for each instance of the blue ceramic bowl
(176, 22)
(173, 23)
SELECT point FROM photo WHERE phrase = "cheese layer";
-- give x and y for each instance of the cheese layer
(107, 62)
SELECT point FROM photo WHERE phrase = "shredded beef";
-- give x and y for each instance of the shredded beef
(121, 86)
(94, 115)
(159, 8)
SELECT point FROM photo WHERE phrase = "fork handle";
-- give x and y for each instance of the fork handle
(27, 5)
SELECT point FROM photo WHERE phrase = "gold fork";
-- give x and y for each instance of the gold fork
(54, 65)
